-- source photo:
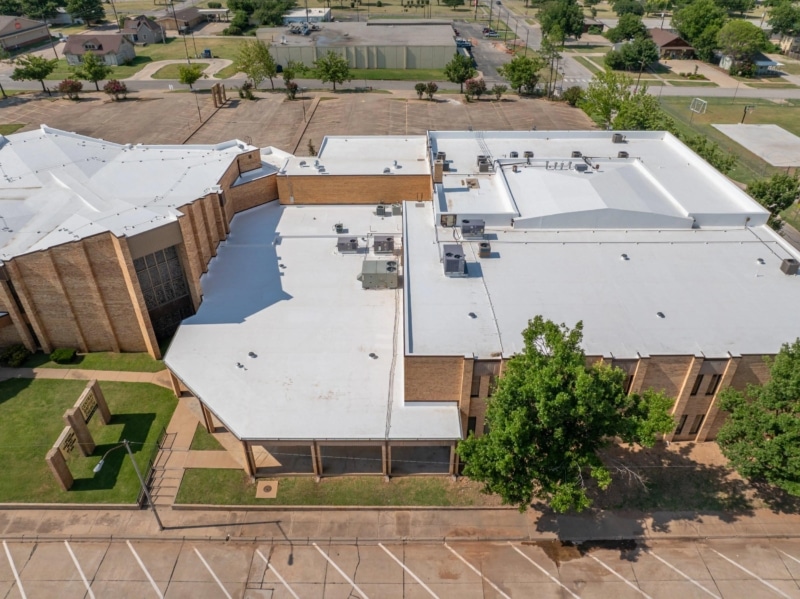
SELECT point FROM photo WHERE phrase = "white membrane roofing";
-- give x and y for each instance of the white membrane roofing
(278, 288)
(57, 187)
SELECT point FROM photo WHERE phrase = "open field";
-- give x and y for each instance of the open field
(172, 71)
(31, 413)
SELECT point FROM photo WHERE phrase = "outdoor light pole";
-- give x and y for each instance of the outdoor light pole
(127, 446)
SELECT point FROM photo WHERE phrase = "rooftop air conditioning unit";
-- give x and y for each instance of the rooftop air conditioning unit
(453, 261)
(379, 274)
(581, 167)
(514, 155)
(397, 209)
(482, 158)
(383, 245)
(484, 167)
(617, 138)
(472, 229)
(576, 154)
(789, 266)
(528, 154)
(622, 154)
(484, 249)
(441, 156)
(380, 210)
(347, 245)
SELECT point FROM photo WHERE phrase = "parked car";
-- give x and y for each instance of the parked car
(491, 34)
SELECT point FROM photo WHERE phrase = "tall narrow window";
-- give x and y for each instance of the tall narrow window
(712, 386)
(697, 382)
(681, 424)
(472, 424)
(628, 383)
(696, 424)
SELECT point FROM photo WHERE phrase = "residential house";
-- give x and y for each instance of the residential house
(764, 65)
(19, 32)
(143, 30)
(670, 44)
(64, 18)
(592, 23)
(181, 20)
(114, 48)
(790, 45)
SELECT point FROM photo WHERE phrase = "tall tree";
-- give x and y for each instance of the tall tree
(740, 39)
(784, 18)
(737, 6)
(550, 415)
(189, 74)
(604, 97)
(453, 3)
(776, 194)
(698, 23)
(550, 52)
(760, 439)
(333, 67)
(628, 27)
(40, 9)
(642, 112)
(628, 7)
(90, 11)
(710, 152)
(522, 72)
(34, 68)
(459, 70)
(566, 14)
(11, 8)
(92, 69)
(255, 61)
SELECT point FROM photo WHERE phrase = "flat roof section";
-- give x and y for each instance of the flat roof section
(327, 355)
(336, 35)
(771, 143)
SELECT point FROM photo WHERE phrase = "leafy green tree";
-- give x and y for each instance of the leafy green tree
(189, 74)
(573, 95)
(760, 438)
(698, 23)
(522, 72)
(628, 27)
(92, 69)
(607, 92)
(255, 61)
(11, 8)
(459, 70)
(566, 14)
(740, 39)
(550, 415)
(776, 194)
(498, 90)
(420, 89)
(550, 52)
(90, 11)
(638, 54)
(40, 9)
(628, 7)
(710, 152)
(642, 112)
(784, 18)
(737, 6)
(333, 67)
(453, 3)
(34, 68)
(293, 70)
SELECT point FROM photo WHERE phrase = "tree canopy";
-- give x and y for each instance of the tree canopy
(628, 7)
(642, 112)
(628, 27)
(90, 11)
(566, 14)
(604, 97)
(550, 415)
(332, 67)
(189, 74)
(698, 23)
(255, 61)
(740, 39)
(776, 194)
(34, 68)
(784, 18)
(92, 69)
(459, 70)
(760, 438)
(522, 72)
(634, 55)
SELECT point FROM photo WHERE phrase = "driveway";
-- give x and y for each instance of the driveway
(214, 66)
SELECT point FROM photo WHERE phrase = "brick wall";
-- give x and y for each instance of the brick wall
(434, 378)
(666, 373)
(255, 193)
(353, 189)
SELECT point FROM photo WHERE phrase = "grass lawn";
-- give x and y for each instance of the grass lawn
(588, 64)
(780, 85)
(203, 441)
(791, 68)
(792, 216)
(685, 83)
(231, 70)
(233, 487)
(128, 362)
(588, 49)
(31, 413)
(722, 110)
(9, 129)
(397, 75)
(171, 70)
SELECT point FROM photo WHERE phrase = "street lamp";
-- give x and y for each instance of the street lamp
(127, 446)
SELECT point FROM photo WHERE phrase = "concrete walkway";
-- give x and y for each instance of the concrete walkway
(215, 65)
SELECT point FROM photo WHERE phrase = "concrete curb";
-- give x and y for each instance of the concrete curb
(70, 506)
(192, 507)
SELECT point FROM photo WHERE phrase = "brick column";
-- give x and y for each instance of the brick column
(17, 317)
(249, 463)
(639, 374)
(175, 383)
(686, 389)
(27, 305)
(74, 419)
(316, 459)
(385, 458)
(208, 419)
(58, 466)
(713, 409)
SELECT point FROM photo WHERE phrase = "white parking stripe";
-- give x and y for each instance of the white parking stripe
(78, 566)
(210, 571)
(543, 571)
(410, 573)
(474, 569)
(621, 577)
(146, 573)
(14, 570)
(791, 557)
(339, 570)
(271, 567)
(692, 580)
(754, 575)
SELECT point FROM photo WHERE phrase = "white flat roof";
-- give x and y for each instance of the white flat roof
(59, 186)
(365, 155)
(772, 143)
(278, 288)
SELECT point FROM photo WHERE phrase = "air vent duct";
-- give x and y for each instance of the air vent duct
(789, 266)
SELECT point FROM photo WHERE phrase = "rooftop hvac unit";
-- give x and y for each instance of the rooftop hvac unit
(379, 274)
(576, 154)
(472, 229)
(441, 156)
(484, 167)
(445, 166)
(622, 154)
(482, 158)
(447, 220)
(514, 155)
(453, 261)
(527, 154)
(380, 210)
(383, 245)
(617, 138)
(484, 249)
(339, 228)
(347, 245)
(581, 167)
(397, 209)
(789, 266)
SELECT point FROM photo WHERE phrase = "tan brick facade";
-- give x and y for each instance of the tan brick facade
(353, 189)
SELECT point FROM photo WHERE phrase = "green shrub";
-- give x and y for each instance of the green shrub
(15, 356)
(572, 95)
(63, 355)
(215, 5)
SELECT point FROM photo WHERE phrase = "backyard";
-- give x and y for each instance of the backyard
(31, 413)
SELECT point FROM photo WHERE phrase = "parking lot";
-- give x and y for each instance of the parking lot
(200, 569)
